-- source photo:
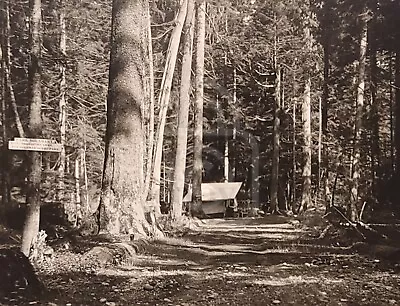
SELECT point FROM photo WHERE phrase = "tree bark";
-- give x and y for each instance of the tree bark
(122, 197)
(150, 115)
(84, 175)
(294, 159)
(31, 226)
(354, 194)
(196, 205)
(306, 106)
(78, 198)
(326, 44)
(324, 114)
(375, 147)
(8, 83)
(5, 171)
(307, 147)
(183, 116)
(163, 101)
(62, 120)
(320, 116)
(233, 159)
(392, 110)
(226, 158)
(276, 143)
(397, 110)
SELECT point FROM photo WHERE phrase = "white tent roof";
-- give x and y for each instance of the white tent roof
(215, 191)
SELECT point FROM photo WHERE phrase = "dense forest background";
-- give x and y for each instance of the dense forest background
(300, 101)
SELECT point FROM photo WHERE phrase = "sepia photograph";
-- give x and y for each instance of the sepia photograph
(200, 152)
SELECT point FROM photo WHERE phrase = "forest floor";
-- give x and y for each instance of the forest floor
(274, 260)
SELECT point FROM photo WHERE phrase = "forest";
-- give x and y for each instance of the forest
(133, 103)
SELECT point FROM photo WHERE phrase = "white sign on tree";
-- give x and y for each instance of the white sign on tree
(34, 144)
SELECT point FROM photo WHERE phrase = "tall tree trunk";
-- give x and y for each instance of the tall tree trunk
(276, 142)
(294, 160)
(78, 201)
(354, 195)
(84, 175)
(392, 110)
(324, 119)
(163, 101)
(226, 157)
(31, 226)
(375, 148)
(62, 120)
(307, 147)
(183, 116)
(306, 106)
(224, 125)
(319, 142)
(233, 160)
(276, 126)
(5, 170)
(397, 110)
(8, 83)
(196, 205)
(150, 115)
(122, 197)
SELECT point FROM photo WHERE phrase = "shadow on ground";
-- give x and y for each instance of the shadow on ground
(269, 261)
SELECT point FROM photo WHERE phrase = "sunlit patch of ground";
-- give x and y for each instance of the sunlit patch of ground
(296, 280)
(228, 262)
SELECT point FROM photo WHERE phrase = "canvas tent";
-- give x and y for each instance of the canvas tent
(215, 196)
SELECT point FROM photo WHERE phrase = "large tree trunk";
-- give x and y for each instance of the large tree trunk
(183, 116)
(196, 207)
(307, 146)
(375, 147)
(276, 126)
(306, 195)
(229, 148)
(163, 101)
(233, 160)
(397, 111)
(150, 115)
(62, 104)
(276, 143)
(225, 131)
(324, 119)
(294, 159)
(5, 174)
(31, 226)
(391, 111)
(122, 197)
(354, 194)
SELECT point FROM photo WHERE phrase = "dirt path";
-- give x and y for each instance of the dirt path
(235, 262)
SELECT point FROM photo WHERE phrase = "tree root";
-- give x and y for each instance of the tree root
(115, 253)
